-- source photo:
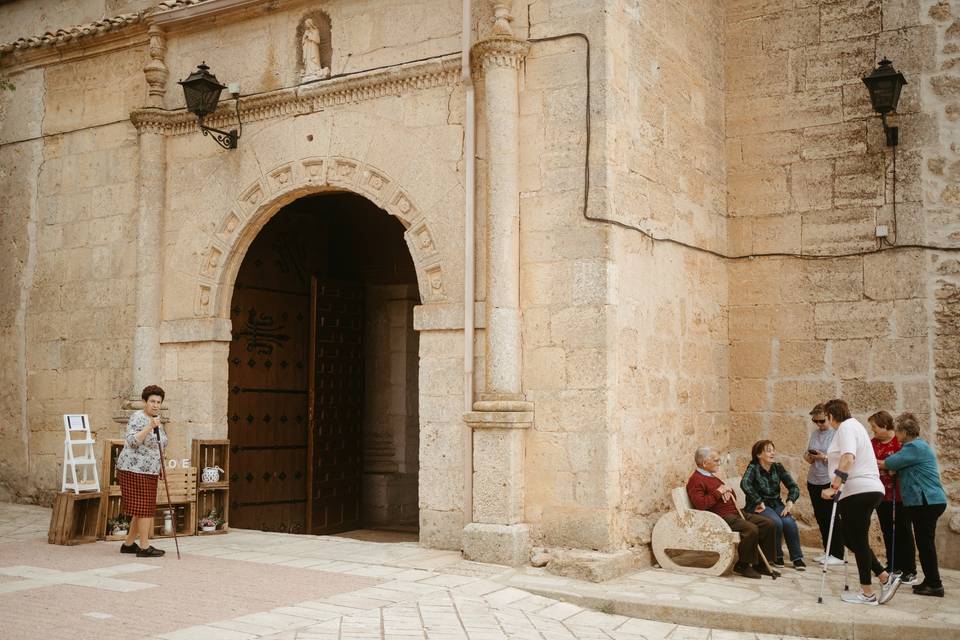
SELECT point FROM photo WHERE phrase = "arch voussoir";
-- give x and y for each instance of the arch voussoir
(261, 199)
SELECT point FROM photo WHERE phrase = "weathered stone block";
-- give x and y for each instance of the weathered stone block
(790, 29)
(911, 318)
(748, 395)
(811, 185)
(849, 358)
(896, 275)
(750, 359)
(852, 19)
(758, 191)
(839, 231)
(780, 234)
(899, 357)
(802, 358)
(771, 113)
(865, 398)
(497, 544)
(833, 140)
(822, 280)
(859, 180)
(593, 566)
(853, 319)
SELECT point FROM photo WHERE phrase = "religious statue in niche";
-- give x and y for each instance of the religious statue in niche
(315, 49)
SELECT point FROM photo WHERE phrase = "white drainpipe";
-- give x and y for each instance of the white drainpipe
(469, 154)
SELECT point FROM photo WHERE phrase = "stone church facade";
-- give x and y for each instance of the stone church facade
(499, 298)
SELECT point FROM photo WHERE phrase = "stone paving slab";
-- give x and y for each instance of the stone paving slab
(253, 585)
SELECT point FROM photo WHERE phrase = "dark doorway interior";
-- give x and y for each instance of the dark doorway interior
(322, 410)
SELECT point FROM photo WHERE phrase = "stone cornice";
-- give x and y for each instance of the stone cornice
(307, 98)
(498, 51)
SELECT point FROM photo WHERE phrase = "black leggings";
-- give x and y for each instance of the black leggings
(855, 512)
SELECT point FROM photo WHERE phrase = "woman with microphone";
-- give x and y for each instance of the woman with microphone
(138, 468)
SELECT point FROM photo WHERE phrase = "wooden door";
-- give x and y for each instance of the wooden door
(336, 404)
(267, 406)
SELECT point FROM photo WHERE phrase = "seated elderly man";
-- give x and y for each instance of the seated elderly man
(708, 493)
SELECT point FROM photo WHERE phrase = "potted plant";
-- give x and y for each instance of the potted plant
(119, 526)
(212, 521)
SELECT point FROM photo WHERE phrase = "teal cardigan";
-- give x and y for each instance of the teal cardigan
(916, 466)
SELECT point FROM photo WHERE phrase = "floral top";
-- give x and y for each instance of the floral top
(141, 458)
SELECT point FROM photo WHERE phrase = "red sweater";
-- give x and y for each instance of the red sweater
(703, 493)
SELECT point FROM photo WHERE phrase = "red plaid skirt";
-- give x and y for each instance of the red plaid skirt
(139, 491)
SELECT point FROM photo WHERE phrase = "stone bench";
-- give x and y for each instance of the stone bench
(696, 532)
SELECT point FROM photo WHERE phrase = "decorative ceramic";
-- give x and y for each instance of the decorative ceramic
(213, 528)
(211, 474)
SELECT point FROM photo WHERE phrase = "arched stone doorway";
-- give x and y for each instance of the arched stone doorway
(322, 408)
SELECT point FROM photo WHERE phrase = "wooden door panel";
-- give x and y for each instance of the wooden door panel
(336, 403)
(267, 409)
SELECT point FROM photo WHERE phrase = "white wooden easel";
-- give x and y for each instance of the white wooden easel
(78, 453)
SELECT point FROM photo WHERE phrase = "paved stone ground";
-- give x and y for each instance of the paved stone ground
(250, 584)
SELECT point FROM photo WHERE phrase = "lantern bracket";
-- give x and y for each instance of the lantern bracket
(892, 133)
(226, 139)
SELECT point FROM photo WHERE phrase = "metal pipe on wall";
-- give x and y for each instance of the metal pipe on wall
(469, 294)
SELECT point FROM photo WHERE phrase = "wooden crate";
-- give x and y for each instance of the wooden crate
(74, 519)
(183, 495)
(110, 503)
(213, 495)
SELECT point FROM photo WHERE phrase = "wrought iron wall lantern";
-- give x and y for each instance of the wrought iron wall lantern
(201, 90)
(884, 85)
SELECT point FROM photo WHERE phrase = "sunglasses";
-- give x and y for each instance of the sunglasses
(819, 421)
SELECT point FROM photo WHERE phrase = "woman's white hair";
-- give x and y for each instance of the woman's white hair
(701, 454)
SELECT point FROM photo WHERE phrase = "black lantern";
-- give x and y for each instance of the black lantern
(884, 85)
(201, 90)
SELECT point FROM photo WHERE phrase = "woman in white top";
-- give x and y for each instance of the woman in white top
(854, 474)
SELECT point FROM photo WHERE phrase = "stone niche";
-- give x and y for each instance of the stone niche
(314, 47)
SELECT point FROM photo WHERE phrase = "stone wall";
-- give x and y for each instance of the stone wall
(71, 229)
(668, 351)
(809, 172)
(564, 268)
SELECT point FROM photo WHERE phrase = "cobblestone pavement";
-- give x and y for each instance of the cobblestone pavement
(251, 584)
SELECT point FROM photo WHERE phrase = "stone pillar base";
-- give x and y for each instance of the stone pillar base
(507, 544)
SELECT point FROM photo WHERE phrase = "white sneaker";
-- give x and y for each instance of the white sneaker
(820, 557)
(910, 579)
(858, 597)
(889, 588)
(832, 561)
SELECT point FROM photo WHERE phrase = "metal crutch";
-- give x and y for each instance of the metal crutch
(823, 577)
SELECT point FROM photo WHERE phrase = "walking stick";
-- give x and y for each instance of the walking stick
(893, 535)
(773, 572)
(823, 578)
(166, 484)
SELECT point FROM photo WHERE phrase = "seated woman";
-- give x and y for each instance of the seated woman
(761, 485)
(923, 497)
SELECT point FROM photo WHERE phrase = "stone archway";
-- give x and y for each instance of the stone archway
(260, 200)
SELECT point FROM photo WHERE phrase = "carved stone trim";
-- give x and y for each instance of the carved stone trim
(155, 69)
(307, 98)
(259, 200)
(498, 51)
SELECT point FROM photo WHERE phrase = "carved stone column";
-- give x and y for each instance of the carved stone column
(152, 184)
(146, 340)
(499, 420)
(498, 59)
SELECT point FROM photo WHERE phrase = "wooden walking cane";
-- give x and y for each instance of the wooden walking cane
(166, 484)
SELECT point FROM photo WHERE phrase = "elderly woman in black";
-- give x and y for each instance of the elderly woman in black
(138, 468)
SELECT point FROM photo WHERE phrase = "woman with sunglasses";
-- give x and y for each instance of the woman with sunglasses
(818, 479)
